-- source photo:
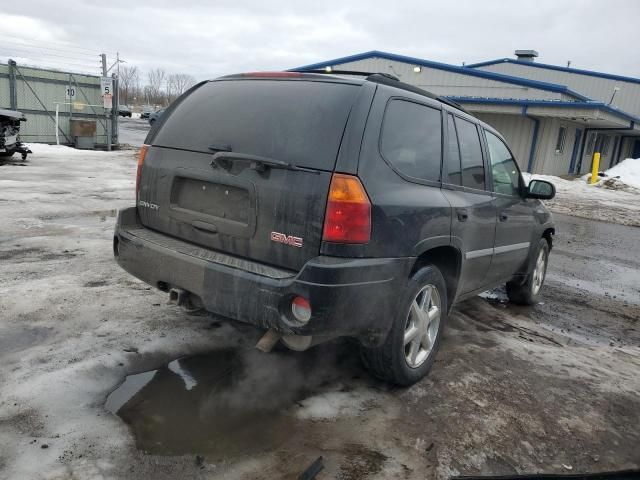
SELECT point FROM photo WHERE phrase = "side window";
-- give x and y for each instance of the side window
(506, 177)
(471, 154)
(411, 139)
(454, 172)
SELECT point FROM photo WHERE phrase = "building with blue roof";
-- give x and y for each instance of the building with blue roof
(554, 118)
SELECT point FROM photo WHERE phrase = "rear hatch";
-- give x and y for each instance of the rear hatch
(243, 166)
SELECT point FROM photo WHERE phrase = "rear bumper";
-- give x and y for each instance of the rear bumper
(349, 297)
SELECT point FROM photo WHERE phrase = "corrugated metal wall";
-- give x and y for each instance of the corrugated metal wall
(442, 82)
(517, 130)
(546, 159)
(37, 90)
(597, 88)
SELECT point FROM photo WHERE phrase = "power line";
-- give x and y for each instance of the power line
(27, 45)
(59, 44)
(31, 52)
(46, 58)
(55, 64)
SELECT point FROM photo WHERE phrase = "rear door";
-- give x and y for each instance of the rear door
(243, 166)
(514, 228)
(464, 183)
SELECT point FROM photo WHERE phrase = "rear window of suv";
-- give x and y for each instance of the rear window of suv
(299, 122)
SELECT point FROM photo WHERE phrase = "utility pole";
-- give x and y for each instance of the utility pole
(103, 57)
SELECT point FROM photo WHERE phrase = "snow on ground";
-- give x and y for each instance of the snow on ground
(628, 172)
(609, 200)
(73, 324)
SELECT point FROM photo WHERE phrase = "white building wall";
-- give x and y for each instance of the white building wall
(443, 82)
(547, 159)
(596, 88)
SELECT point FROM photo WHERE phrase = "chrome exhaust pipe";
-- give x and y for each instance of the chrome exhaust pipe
(182, 298)
(178, 296)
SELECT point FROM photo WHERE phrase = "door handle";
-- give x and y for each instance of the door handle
(503, 217)
(462, 213)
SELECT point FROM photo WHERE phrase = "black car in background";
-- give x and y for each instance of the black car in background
(155, 116)
(146, 111)
(315, 206)
(124, 111)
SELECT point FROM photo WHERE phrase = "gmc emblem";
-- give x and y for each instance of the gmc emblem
(286, 239)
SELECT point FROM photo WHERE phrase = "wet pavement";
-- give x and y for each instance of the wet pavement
(132, 131)
(550, 388)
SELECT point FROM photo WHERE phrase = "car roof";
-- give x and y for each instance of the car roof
(343, 76)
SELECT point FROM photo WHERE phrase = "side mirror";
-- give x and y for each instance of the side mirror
(541, 189)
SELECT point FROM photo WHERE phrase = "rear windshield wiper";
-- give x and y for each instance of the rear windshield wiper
(258, 163)
(220, 147)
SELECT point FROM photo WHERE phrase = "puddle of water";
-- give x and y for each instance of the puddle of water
(223, 404)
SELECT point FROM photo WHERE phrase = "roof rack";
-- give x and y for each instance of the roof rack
(391, 80)
(350, 72)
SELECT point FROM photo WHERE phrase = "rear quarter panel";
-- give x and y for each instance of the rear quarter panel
(408, 218)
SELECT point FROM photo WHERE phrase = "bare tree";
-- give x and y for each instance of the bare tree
(155, 81)
(177, 84)
(127, 81)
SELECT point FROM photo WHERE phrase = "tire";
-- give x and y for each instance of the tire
(392, 360)
(151, 122)
(528, 293)
(8, 154)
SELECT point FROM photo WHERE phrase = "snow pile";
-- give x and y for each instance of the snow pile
(628, 172)
(623, 176)
(62, 151)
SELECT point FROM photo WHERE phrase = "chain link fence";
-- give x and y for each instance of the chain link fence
(36, 92)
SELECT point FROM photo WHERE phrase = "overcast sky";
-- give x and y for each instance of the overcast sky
(212, 38)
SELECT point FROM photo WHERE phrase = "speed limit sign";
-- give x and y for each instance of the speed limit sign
(106, 86)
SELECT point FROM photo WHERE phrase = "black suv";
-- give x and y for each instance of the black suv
(316, 206)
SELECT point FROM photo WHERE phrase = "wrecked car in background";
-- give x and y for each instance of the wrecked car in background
(10, 134)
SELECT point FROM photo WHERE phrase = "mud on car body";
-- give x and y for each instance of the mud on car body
(317, 206)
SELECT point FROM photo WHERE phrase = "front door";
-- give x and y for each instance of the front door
(574, 152)
(474, 215)
(515, 221)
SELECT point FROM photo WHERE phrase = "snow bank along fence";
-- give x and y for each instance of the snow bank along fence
(37, 92)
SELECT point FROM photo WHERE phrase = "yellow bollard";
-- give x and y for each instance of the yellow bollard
(595, 167)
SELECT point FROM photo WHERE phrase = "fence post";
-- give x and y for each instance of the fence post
(70, 111)
(13, 93)
(115, 112)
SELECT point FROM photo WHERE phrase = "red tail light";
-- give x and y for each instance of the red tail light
(348, 215)
(143, 153)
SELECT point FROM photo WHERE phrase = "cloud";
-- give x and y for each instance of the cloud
(209, 39)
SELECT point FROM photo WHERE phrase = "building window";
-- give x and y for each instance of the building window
(562, 134)
(604, 146)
